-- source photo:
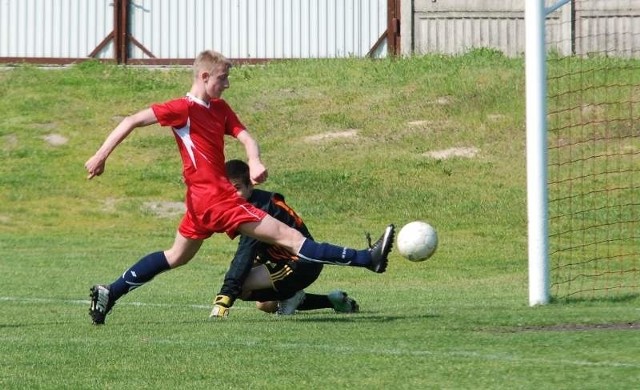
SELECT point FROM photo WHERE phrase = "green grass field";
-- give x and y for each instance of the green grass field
(348, 143)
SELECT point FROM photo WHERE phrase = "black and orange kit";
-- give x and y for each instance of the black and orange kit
(287, 274)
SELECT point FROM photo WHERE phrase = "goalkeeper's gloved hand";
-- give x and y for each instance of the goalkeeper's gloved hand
(221, 306)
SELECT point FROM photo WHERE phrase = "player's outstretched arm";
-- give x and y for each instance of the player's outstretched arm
(96, 164)
(257, 170)
(235, 277)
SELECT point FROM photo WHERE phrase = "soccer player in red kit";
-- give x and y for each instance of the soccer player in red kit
(199, 122)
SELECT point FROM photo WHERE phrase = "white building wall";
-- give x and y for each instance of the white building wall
(54, 28)
(258, 28)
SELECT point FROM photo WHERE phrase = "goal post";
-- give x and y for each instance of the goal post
(536, 151)
(582, 75)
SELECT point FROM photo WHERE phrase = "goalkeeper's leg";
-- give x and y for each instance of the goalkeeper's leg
(288, 281)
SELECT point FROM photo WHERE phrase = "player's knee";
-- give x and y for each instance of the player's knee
(177, 258)
(182, 251)
(268, 306)
(295, 240)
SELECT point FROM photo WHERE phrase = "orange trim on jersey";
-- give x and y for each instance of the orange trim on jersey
(280, 203)
(278, 253)
(281, 274)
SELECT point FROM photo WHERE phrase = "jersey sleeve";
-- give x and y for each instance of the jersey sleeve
(239, 268)
(173, 113)
(233, 126)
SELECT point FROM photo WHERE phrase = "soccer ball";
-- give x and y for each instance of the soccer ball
(417, 241)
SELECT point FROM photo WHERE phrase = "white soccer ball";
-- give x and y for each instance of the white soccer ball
(417, 241)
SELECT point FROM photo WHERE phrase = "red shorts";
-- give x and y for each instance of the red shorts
(224, 216)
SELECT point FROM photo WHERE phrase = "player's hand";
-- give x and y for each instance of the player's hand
(94, 166)
(221, 306)
(219, 311)
(258, 172)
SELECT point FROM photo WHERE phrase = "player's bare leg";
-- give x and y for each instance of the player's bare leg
(259, 278)
(182, 250)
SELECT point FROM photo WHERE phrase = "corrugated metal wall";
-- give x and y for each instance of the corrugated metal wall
(179, 29)
(54, 28)
(258, 28)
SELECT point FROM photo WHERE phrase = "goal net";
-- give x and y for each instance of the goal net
(593, 148)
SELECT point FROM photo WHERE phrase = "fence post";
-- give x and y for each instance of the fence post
(120, 25)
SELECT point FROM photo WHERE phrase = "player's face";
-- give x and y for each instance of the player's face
(217, 81)
(243, 190)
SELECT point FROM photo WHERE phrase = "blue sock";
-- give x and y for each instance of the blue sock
(140, 273)
(327, 253)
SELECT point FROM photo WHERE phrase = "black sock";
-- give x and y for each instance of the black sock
(315, 301)
(140, 273)
(328, 253)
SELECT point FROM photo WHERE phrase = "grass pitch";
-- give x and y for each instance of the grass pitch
(350, 143)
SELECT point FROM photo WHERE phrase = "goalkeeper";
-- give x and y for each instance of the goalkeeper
(270, 274)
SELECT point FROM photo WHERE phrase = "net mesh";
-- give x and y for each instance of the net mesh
(593, 86)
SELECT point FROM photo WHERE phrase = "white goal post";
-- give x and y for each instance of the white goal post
(582, 74)
(536, 140)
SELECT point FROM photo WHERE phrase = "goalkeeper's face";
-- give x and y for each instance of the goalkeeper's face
(243, 189)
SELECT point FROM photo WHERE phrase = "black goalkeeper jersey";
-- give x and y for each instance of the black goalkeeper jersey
(251, 250)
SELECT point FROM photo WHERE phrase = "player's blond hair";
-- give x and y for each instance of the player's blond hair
(207, 60)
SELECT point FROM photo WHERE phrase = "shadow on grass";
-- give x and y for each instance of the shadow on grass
(304, 317)
(611, 299)
(358, 317)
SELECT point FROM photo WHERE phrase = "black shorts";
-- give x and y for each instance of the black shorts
(288, 278)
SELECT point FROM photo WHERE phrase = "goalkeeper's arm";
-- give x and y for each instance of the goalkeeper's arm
(236, 275)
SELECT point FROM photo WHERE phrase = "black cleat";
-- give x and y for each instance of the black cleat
(101, 303)
(380, 250)
(343, 303)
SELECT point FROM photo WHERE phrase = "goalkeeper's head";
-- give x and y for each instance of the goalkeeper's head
(238, 174)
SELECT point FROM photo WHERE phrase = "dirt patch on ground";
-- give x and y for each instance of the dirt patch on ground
(466, 152)
(421, 123)
(352, 133)
(160, 209)
(442, 100)
(496, 117)
(55, 139)
(165, 209)
(109, 205)
(10, 141)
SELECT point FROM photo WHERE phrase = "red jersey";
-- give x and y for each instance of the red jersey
(199, 127)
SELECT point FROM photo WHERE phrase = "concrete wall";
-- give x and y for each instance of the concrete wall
(580, 27)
